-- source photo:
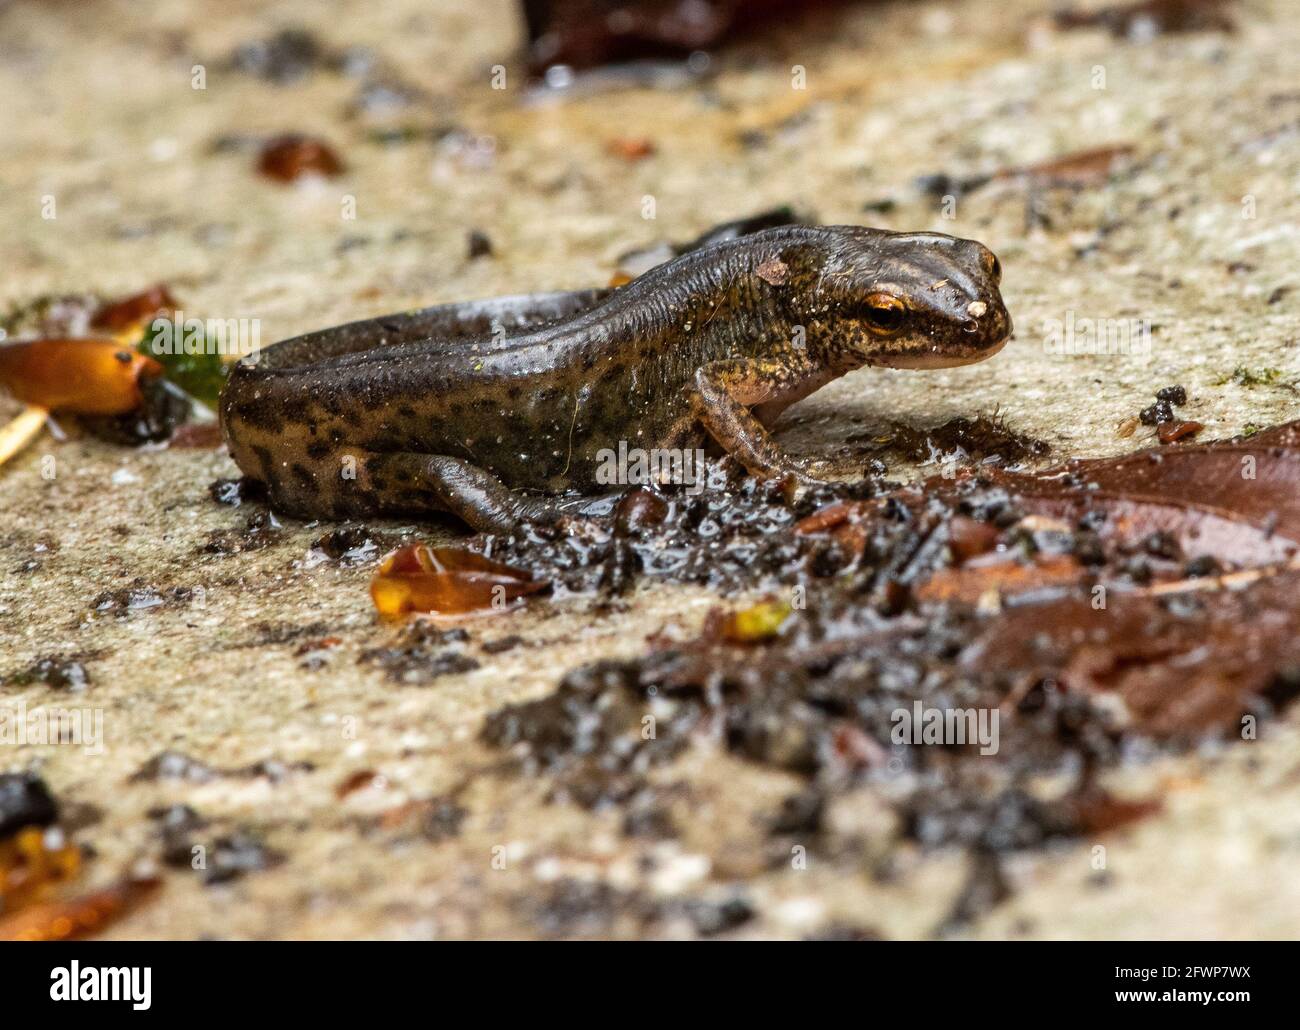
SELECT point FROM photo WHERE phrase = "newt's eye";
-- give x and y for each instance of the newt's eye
(995, 270)
(884, 313)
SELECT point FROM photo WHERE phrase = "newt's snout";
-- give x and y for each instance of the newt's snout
(986, 323)
(989, 324)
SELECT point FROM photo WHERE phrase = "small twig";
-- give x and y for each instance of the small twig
(21, 431)
(1228, 581)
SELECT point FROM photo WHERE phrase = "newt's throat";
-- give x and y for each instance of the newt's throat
(938, 358)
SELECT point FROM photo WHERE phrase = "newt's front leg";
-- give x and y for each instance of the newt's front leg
(725, 391)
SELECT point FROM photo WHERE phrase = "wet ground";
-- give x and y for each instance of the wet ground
(339, 775)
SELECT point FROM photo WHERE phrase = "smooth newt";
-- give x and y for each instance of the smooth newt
(478, 408)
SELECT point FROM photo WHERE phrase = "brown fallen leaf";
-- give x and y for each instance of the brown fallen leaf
(125, 313)
(588, 33)
(1147, 18)
(288, 158)
(1181, 429)
(972, 583)
(1078, 169)
(1179, 672)
(1237, 499)
(630, 148)
(1098, 811)
(1234, 502)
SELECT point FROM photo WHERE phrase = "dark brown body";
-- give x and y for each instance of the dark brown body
(525, 392)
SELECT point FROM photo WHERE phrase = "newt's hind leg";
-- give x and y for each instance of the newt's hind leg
(406, 482)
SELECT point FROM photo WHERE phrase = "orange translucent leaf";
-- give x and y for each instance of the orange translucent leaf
(81, 376)
(31, 867)
(80, 917)
(448, 581)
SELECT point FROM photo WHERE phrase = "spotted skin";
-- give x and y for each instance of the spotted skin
(483, 409)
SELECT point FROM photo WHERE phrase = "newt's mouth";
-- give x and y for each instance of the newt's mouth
(922, 359)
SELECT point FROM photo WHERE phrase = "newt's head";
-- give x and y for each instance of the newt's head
(912, 300)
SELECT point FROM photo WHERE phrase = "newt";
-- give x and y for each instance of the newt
(488, 409)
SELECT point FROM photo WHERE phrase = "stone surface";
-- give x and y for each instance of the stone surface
(1199, 233)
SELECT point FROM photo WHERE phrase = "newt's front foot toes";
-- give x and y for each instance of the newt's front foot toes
(579, 527)
(795, 478)
(806, 472)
